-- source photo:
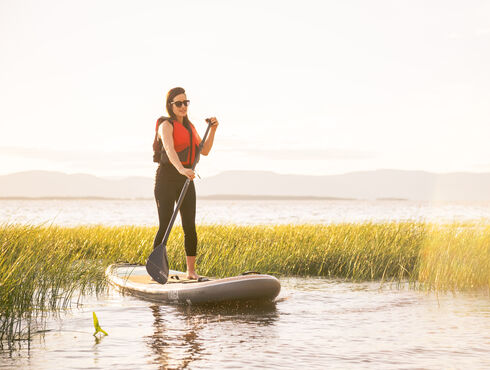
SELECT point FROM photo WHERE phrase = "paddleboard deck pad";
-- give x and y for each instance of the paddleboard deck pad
(134, 280)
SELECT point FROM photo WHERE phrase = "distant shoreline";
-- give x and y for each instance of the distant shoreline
(205, 197)
(267, 197)
(379, 185)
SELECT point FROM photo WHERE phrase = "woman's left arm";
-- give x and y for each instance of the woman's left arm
(208, 144)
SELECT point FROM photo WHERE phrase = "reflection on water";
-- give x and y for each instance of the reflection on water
(170, 348)
(316, 324)
(178, 348)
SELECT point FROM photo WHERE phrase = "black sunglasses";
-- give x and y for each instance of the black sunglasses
(178, 104)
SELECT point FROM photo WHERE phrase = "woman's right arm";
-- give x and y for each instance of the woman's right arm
(166, 132)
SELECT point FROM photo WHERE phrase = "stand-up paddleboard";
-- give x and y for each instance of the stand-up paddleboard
(134, 280)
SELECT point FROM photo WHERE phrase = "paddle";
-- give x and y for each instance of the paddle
(157, 263)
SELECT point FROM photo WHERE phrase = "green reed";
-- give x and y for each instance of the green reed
(42, 268)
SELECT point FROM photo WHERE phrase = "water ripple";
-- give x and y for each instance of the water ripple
(315, 324)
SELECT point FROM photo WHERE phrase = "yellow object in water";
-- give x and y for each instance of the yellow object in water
(97, 327)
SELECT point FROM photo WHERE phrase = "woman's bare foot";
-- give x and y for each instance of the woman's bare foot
(192, 276)
(191, 268)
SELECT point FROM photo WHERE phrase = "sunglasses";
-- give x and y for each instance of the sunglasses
(178, 104)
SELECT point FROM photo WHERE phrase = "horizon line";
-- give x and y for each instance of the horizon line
(208, 197)
(121, 177)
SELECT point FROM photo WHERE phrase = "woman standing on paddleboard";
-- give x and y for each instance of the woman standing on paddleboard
(180, 140)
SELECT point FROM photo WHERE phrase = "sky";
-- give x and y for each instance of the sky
(299, 87)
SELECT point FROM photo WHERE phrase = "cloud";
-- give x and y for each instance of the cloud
(78, 156)
(481, 167)
(482, 32)
(75, 156)
(455, 36)
(311, 154)
(477, 33)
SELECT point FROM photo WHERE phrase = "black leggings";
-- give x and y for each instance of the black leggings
(168, 185)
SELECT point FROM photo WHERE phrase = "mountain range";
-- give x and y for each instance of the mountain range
(380, 184)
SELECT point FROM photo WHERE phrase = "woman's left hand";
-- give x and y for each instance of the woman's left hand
(214, 122)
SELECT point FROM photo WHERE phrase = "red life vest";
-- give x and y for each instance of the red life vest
(186, 142)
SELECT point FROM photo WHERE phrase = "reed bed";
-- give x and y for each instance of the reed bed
(43, 268)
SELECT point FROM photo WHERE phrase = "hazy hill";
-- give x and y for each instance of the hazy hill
(413, 185)
(57, 184)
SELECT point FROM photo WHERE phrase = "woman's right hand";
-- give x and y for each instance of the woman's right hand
(187, 172)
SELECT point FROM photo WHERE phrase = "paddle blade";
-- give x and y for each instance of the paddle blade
(157, 264)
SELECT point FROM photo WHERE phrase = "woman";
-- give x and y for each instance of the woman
(180, 140)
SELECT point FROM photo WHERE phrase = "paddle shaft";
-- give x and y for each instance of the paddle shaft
(184, 189)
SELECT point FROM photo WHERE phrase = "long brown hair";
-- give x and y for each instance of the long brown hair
(170, 98)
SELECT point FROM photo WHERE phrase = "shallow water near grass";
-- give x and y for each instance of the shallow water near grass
(315, 323)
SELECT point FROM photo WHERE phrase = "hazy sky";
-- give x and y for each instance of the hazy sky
(305, 87)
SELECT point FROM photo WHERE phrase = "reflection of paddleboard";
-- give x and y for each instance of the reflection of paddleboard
(134, 279)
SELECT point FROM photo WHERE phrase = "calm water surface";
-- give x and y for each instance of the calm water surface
(240, 212)
(315, 324)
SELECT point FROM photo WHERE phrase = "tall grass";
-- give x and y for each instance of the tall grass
(455, 257)
(41, 268)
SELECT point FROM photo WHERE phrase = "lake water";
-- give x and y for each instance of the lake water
(315, 324)
(240, 212)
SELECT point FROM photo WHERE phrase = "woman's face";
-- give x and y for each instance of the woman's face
(182, 110)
